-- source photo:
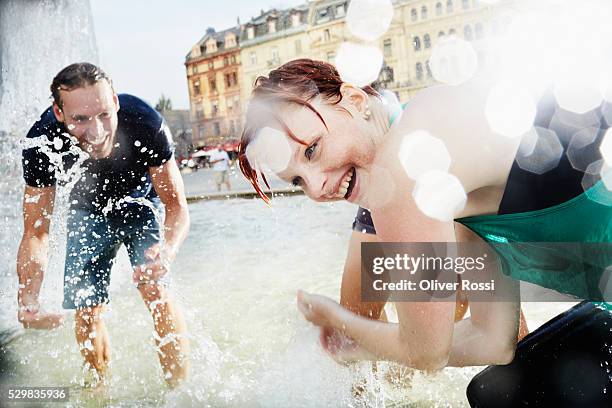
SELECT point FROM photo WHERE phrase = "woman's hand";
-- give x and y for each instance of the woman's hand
(317, 309)
(324, 312)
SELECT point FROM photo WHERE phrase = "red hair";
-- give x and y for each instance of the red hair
(298, 81)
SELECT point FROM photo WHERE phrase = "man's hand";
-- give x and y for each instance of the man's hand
(31, 317)
(159, 260)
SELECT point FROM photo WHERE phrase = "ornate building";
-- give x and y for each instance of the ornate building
(222, 66)
(213, 75)
(270, 40)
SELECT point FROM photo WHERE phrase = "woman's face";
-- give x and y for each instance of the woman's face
(334, 163)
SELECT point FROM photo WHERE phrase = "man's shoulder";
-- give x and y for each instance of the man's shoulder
(47, 125)
(135, 111)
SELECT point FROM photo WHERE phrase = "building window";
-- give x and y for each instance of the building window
(250, 33)
(213, 85)
(479, 30)
(414, 15)
(233, 59)
(298, 47)
(466, 4)
(467, 33)
(295, 20)
(253, 58)
(419, 71)
(340, 10)
(438, 9)
(452, 31)
(428, 67)
(322, 15)
(225, 61)
(416, 41)
(196, 87)
(427, 41)
(217, 129)
(214, 108)
(387, 50)
(195, 69)
(198, 111)
(449, 6)
(441, 34)
(326, 35)
(424, 12)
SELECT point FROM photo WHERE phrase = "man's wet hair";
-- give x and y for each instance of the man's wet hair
(74, 76)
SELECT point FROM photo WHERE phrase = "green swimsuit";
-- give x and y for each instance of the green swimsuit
(576, 268)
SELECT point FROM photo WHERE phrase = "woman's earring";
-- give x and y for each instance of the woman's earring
(367, 114)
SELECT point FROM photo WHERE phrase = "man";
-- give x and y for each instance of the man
(220, 162)
(120, 154)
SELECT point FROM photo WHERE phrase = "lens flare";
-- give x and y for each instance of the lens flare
(606, 147)
(581, 149)
(453, 61)
(510, 109)
(369, 19)
(358, 64)
(540, 151)
(596, 172)
(439, 195)
(269, 151)
(421, 152)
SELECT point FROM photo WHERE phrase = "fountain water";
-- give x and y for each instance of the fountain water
(37, 39)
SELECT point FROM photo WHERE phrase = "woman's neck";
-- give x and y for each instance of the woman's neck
(380, 119)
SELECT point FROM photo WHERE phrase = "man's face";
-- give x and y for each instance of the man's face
(90, 115)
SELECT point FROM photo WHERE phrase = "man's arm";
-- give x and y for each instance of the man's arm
(32, 257)
(168, 184)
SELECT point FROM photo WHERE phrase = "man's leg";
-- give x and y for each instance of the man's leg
(142, 232)
(227, 180)
(218, 179)
(92, 338)
(170, 327)
(90, 252)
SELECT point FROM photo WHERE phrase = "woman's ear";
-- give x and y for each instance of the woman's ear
(355, 97)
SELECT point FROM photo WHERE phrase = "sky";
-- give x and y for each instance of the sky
(142, 44)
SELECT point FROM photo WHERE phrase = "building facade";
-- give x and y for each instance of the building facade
(270, 40)
(223, 66)
(180, 124)
(214, 77)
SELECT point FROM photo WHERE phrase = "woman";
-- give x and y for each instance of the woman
(342, 145)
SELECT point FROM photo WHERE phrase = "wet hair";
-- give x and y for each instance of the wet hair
(298, 81)
(74, 76)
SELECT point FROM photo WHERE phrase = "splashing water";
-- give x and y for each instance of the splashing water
(27, 66)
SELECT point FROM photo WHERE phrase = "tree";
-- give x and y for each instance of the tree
(163, 104)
